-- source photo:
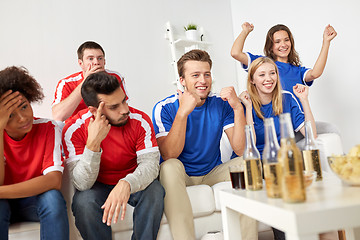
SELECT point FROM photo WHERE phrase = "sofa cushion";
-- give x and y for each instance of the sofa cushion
(24, 227)
(216, 189)
(202, 200)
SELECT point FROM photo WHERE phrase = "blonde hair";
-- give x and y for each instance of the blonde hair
(254, 95)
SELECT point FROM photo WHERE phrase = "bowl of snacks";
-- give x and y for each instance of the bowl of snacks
(347, 167)
(309, 177)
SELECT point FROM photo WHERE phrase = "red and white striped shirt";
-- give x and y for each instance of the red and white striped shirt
(38, 153)
(120, 148)
(67, 85)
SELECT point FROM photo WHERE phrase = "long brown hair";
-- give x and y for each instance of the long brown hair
(293, 57)
(254, 95)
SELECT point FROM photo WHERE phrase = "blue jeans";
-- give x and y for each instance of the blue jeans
(148, 203)
(48, 208)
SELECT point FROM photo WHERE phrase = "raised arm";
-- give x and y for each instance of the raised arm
(238, 46)
(84, 172)
(236, 134)
(302, 92)
(329, 34)
(64, 109)
(9, 101)
(246, 100)
(172, 145)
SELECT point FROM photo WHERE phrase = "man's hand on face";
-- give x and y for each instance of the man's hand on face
(116, 202)
(92, 69)
(229, 94)
(187, 101)
(97, 130)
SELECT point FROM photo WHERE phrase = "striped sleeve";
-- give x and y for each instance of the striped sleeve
(53, 160)
(74, 139)
(62, 89)
(163, 117)
(146, 141)
(297, 115)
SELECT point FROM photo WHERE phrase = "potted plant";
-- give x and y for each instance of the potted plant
(191, 32)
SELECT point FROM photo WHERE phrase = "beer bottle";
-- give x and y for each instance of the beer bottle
(311, 153)
(290, 158)
(272, 167)
(253, 169)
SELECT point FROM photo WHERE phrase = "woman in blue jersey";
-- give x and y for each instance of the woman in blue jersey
(280, 47)
(265, 98)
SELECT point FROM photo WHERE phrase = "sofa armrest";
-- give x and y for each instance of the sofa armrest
(329, 144)
(68, 191)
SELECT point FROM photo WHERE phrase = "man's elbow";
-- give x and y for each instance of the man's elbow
(57, 115)
(169, 156)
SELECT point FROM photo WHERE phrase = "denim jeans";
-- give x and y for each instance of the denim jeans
(48, 208)
(148, 204)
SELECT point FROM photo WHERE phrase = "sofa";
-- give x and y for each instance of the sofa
(204, 200)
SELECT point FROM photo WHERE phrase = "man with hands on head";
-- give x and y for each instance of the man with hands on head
(67, 100)
(188, 127)
(113, 159)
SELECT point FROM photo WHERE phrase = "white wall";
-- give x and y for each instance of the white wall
(43, 35)
(335, 95)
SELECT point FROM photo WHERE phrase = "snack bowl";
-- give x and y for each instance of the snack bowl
(346, 167)
(309, 177)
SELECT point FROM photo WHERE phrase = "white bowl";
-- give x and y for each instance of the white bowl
(347, 168)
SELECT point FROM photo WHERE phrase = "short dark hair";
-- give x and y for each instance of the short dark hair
(88, 45)
(98, 83)
(194, 55)
(18, 79)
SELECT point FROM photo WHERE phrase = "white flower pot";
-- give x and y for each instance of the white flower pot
(192, 35)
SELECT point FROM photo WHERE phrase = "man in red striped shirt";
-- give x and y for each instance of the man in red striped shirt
(67, 100)
(113, 159)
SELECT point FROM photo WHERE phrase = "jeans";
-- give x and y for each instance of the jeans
(48, 208)
(148, 204)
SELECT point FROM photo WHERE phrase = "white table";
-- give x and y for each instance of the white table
(329, 206)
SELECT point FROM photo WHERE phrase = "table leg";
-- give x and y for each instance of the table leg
(231, 224)
(290, 236)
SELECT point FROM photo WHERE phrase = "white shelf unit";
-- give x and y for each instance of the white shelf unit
(180, 46)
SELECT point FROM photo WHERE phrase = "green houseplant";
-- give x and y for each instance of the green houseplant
(191, 32)
(190, 26)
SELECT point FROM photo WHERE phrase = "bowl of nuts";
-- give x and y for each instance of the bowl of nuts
(347, 167)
